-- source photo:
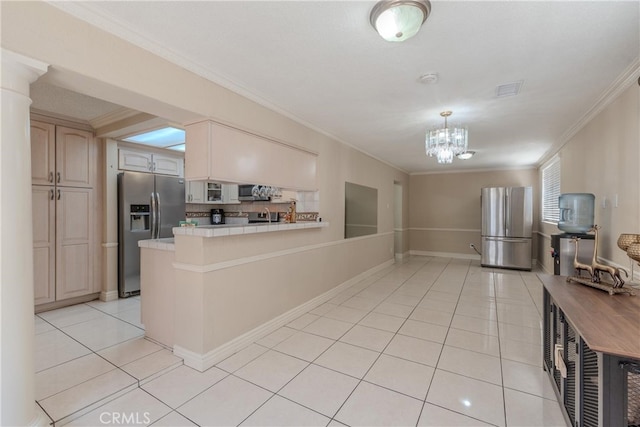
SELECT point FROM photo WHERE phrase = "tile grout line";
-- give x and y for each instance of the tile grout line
(396, 291)
(443, 343)
(360, 380)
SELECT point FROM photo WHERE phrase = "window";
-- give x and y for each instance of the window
(551, 191)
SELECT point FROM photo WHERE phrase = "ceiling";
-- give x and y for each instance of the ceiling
(321, 63)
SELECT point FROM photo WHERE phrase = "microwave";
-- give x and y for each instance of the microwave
(245, 194)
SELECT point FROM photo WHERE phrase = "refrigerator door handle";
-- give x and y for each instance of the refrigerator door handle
(502, 239)
(507, 212)
(158, 216)
(154, 215)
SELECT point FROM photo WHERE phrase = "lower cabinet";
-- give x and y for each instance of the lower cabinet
(63, 242)
(593, 388)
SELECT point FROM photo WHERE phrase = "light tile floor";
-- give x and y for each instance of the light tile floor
(425, 342)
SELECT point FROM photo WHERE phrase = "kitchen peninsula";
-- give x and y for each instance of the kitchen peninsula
(214, 289)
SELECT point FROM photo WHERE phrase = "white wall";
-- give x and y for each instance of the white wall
(603, 158)
(93, 62)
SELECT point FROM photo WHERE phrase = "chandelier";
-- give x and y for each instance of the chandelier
(444, 143)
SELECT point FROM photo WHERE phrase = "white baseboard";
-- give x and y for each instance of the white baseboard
(445, 254)
(542, 267)
(202, 362)
(108, 296)
(401, 256)
(40, 418)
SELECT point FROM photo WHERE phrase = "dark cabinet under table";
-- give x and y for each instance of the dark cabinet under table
(591, 351)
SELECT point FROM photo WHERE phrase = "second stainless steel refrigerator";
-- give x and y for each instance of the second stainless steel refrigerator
(149, 206)
(507, 218)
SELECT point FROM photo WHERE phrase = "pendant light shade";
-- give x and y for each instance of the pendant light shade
(399, 20)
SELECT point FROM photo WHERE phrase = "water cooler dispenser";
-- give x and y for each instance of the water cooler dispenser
(576, 218)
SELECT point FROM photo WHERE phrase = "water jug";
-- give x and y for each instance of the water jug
(576, 212)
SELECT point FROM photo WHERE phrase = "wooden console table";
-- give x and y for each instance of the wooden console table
(591, 350)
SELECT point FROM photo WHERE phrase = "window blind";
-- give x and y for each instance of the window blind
(551, 191)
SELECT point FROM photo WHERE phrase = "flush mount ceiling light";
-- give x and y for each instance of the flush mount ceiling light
(399, 20)
(446, 142)
(466, 155)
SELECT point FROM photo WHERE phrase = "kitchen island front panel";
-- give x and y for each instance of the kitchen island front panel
(227, 291)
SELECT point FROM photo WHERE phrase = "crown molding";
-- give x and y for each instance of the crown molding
(628, 77)
(85, 12)
(60, 119)
(498, 169)
(112, 117)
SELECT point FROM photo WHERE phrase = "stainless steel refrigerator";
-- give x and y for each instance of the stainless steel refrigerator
(507, 218)
(149, 206)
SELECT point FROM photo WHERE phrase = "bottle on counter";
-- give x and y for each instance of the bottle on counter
(292, 211)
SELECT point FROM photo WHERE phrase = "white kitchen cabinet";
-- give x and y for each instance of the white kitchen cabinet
(211, 193)
(62, 156)
(63, 243)
(65, 162)
(44, 250)
(141, 161)
(74, 242)
(167, 165)
(220, 153)
(43, 153)
(230, 193)
(194, 192)
(134, 161)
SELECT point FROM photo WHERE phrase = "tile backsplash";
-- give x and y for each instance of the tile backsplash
(307, 208)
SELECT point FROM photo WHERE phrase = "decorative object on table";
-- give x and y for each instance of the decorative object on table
(596, 268)
(630, 243)
(578, 265)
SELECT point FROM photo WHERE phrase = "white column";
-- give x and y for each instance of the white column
(17, 370)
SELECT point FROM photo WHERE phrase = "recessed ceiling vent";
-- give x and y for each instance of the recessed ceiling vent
(508, 89)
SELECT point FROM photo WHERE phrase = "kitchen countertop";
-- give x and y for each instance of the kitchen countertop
(235, 229)
(165, 244)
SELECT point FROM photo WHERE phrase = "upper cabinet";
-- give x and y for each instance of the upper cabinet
(43, 153)
(211, 193)
(167, 165)
(142, 161)
(220, 153)
(62, 156)
(194, 192)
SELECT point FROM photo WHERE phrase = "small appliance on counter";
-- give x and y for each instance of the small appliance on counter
(217, 216)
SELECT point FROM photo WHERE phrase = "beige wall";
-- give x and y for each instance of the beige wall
(90, 61)
(444, 208)
(603, 158)
(269, 275)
